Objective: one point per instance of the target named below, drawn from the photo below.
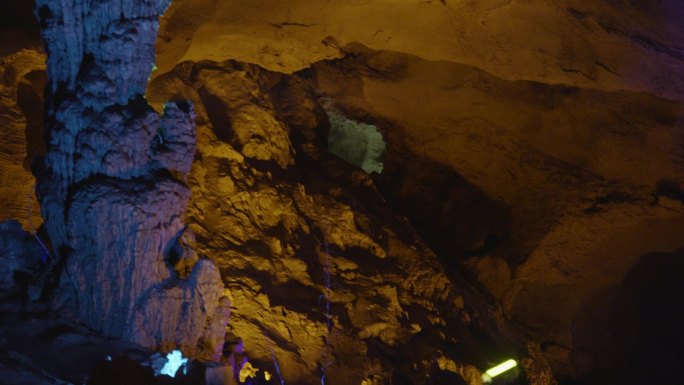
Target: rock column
(111, 191)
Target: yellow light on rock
(498, 369)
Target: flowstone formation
(111, 190)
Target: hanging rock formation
(110, 191)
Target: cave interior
(384, 192)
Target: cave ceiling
(606, 45)
(531, 197)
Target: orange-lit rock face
(542, 196)
(539, 145)
(300, 237)
(21, 120)
(555, 192)
(608, 45)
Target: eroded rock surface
(21, 98)
(547, 194)
(110, 191)
(607, 45)
(324, 278)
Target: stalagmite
(111, 191)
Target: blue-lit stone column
(111, 191)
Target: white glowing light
(174, 361)
(498, 369)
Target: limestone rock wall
(111, 189)
(324, 278)
(547, 194)
(21, 98)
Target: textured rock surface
(21, 95)
(550, 194)
(608, 44)
(112, 204)
(294, 229)
(48, 350)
